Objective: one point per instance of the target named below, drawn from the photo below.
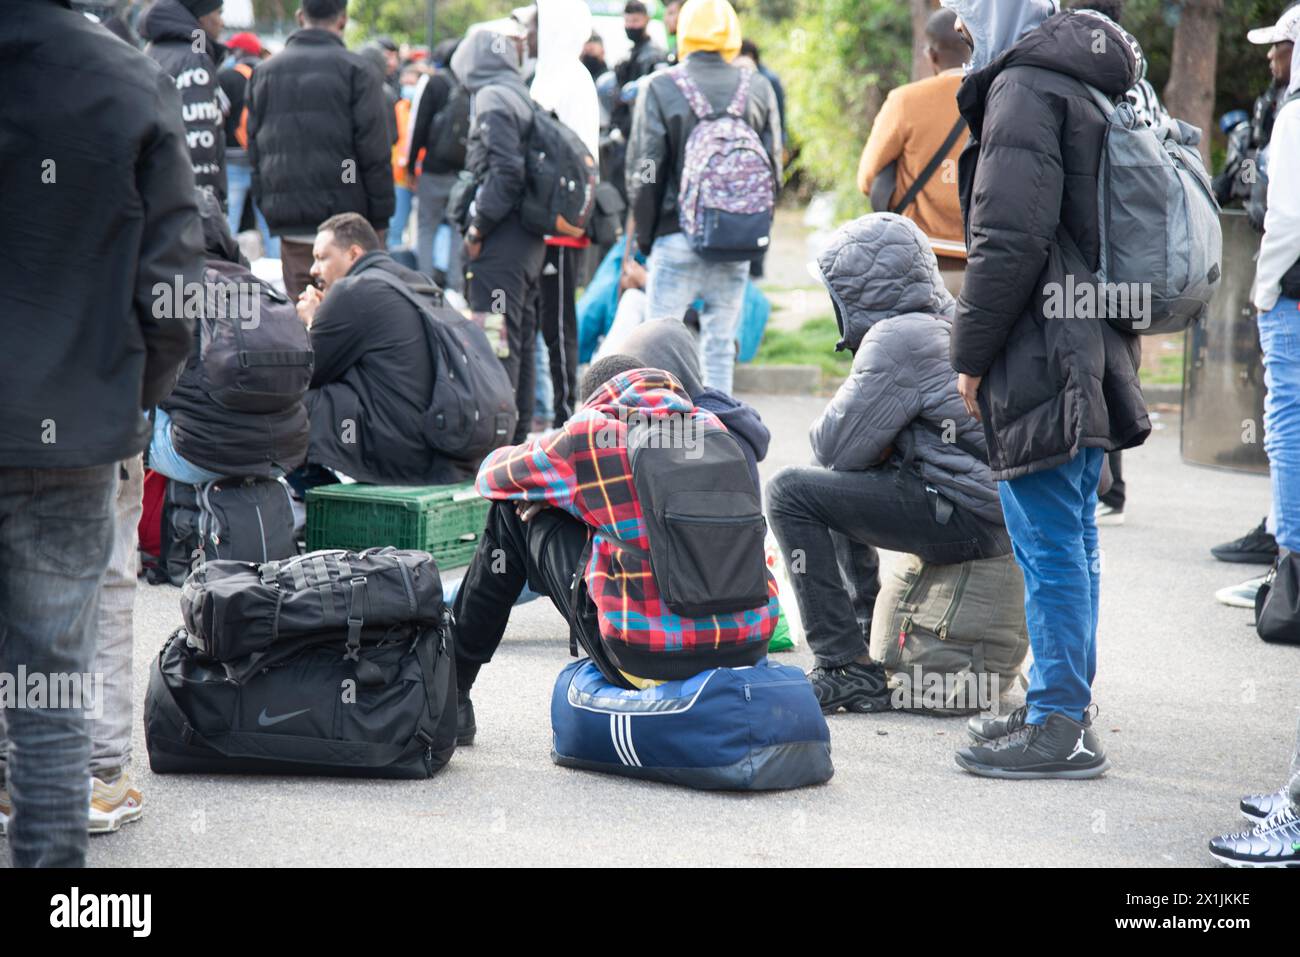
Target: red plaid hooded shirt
(584, 469)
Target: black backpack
(254, 352)
(703, 516)
(450, 130)
(248, 520)
(560, 177)
(472, 410)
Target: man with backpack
(374, 372)
(88, 344)
(579, 515)
(318, 138)
(1054, 390)
(440, 130)
(703, 167)
(247, 51)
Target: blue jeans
(678, 277)
(1279, 336)
(544, 406)
(239, 184)
(402, 213)
(164, 458)
(432, 191)
(1051, 516)
(56, 537)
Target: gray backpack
(953, 637)
(1159, 223)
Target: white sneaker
(1109, 516)
(6, 809)
(1240, 596)
(114, 804)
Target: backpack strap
(695, 97)
(736, 107)
(931, 167)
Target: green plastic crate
(445, 520)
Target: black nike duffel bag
(236, 609)
(306, 708)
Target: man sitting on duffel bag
(652, 548)
(903, 467)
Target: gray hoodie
(995, 25)
(895, 314)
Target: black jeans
(545, 553)
(559, 321)
(505, 280)
(1115, 497)
(829, 525)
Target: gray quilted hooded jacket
(895, 315)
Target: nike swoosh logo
(265, 720)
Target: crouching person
(374, 374)
(567, 519)
(900, 462)
(226, 418)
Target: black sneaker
(1256, 547)
(853, 687)
(1256, 807)
(1275, 843)
(465, 726)
(1058, 748)
(985, 730)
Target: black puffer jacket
(210, 435)
(318, 136)
(373, 383)
(1028, 184)
(171, 30)
(88, 335)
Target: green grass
(1162, 360)
(812, 345)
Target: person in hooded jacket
(1054, 393)
(196, 439)
(708, 39)
(505, 259)
(172, 28)
(373, 377)
(319, 138)
(900, 465)
(563, 86)
(437, 106)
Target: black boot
(465, 725)
(1058, 748)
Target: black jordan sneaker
(1274, 843)
(1256, 807)
(985, 730)
(465, 726)
(1256, 547)
(1058, 748)
(859, 688)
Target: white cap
(1286, 30)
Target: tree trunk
(1189, 95)
(921, 10)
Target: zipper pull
(903, 629)
(747, 697)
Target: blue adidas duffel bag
(739, 729)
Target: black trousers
(544, 552)
(505, 280)
(1115, 497)
(559, 321)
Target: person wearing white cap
(1275, 840)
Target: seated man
(901, 462)
(196, 439)
(614, 606)
(374, 374)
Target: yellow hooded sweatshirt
(710, 25)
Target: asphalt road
(1195, 710)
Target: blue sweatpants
(1051, 517)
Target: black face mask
(635, 34)
(595, 65)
